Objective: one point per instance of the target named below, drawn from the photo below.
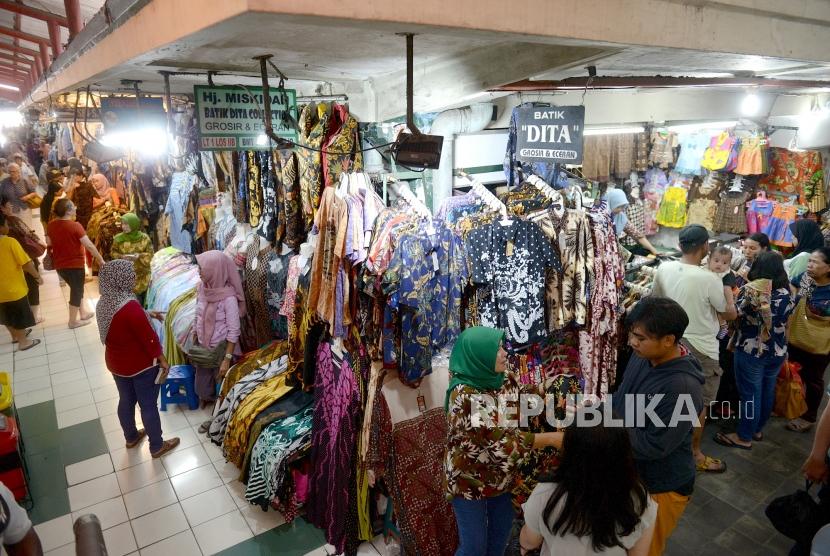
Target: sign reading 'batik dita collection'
(232, 117)
(550, 134)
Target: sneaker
(168, 445)
(141, 434)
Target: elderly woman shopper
(220, 305)
(67, 241)
(617, 203)
(133, 355)
(482, 462)
(808, 238)
(135, 246)
(809, 333)
(19, 190)
(34, 248)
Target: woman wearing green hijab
(482, 460)
(134, 245)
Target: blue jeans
(140, 389)
(483, 525)
(755, 377)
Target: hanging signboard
(550, 134)
(127, 114)
(231, 117)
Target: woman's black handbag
(797, 516)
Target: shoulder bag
(48, 264)
(32, 245)
(207, 358)
(809, 332)
(789, 392)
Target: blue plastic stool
(180, 376)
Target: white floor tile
(107, 407)
(367, 549)
(59, 346)
(317, 552)
(380, 544)
(141, 475)
(103, 393)
(63, 377)
(92, 492)
(123, 458)
(181, 461)
(56, 532)
(32, 398)
(58, 336)
(120, 540)
(30, 362)
(196, 481)
(115, 440)
(149, 499)
(171, 422)
(111, 422)
(69, 356)
(198, 416)
(31, 353)
(260, 521)
(228, 471)
(77, 415)
(31, 384)
(73, 401)
(222, 532)
(99, 380)
(159, 525)
(65, 550)
(74, 387)
(237, 491)
(88, 469)
(183, 544)
(69, 364)
(187, 438)
(214, 452)
(208, 505)
(88, 341)
(110, 512)
(27, 374)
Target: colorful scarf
(101, 184)
(473, 360)
(220, 280)
(135, 232)
(115, 282)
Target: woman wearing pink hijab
(219, 308)
(105, 191)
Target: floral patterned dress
(142, 247)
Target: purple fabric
(140, 389)
(339, 327)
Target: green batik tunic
(142, 247)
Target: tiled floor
(187, 503)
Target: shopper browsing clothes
(662, 364)
(67, 240)
(810, 333)
(15, 313)
(134, 356)
(700, 293)
(54, 192)
(105, 192)
(219, 307)
(617, 203)
(590, 507)
(751, 247)
(34, 248)
(764, 307)
(482, 461)
(19, 190)
(807, 238)
(134, 245)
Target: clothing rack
(409, 198)
(484, 194)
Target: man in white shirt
(16, 532)
(700, 292)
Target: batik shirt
(426, 273)
(512, 260)
(749, 330)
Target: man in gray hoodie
(662, 367)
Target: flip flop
(799, 425)
(35, 342)
(706, 465)
(28, 331)
(724, 440)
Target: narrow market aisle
(187, 503)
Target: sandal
(799, 425)
(705, 466)
(724, 440)
(205, 426)
(28, 331)
(758, 437)
(34, 343)
(141, 434)
(166, 446)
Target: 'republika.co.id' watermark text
(637, 410)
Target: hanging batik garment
(312, 126)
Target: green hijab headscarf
(473, 360)
(135, 229)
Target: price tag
(422, 403)
(367, 239)
(435, 265)
(509, 250)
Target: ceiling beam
(11, 77)
(44, 55)
(55, 38)
(16, 58)
(23, 36)
(14, 69)
(19, 49)
(33, 12)
(580, 83)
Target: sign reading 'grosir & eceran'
(232, 117)
(550, 134)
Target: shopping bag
(797, 515)
(47, 261)
(789, 393)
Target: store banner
(231, 117)
(126, 114)
(550, 134)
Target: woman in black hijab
(808, 238)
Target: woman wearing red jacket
(133, 354)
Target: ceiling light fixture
(750, 105)
(9, 87)
(701, 125)
(613, 130)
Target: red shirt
(131, 344)
(67, 251)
